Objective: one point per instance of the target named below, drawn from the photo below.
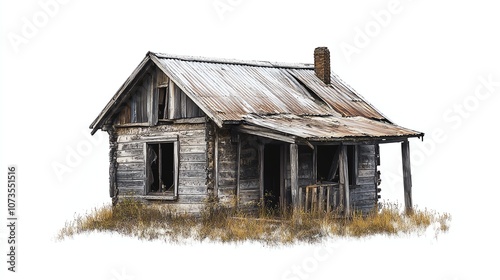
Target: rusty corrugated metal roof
(284, 97)
(324, 128)
(233, 89)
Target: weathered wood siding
(153, 93)
(193, 174)
(249, 172)
(249, 188)
(363, 194)
(226, 167)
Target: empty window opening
(328, 163)
(272, 175)
(161, 168)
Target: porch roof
(328, 128)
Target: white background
(420, 62)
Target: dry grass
(222, 224)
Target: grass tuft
(226, 224)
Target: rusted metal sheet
(324, 128)
(232, 91)
(341, 97)
(288, 98)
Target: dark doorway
(272, 175)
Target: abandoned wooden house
(248, 133)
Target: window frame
(162, 195)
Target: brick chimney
(322, 64)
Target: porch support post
(344, 179)
(405, 152)
(294, 175)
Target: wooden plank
(315, 166)
(169, 129)
(366, 172)
(123, 191)
(140, 138)
(328, 199)
(129, 153)
(193, 165)
(173, 101)
(227, 182)
(130, 184)
(249, 184)
(193, 157)
(135, 159)
(193, 120)
(267, 134)
(369, 180)
(344, 179)
(261, 173)
(364, 189)
(130, 174)
(193, 141)
(300, 198)
(192, 198)
(146, 85)
(216, 163)
(321, 197)
(294, 173)
(192, 182)
(283, 167)
(355, 165)
(193, 149)
(191, 109)
(314, 200)
(238, 170)
(229, 174)
(227, 166)
(131, 166)
(306, 201)
(153, 93)
(129, 146)
(192, 174)
(183, 105)
(363, 196)
(405, 152)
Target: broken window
(162, 168)
(328, 163)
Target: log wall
(193, 162)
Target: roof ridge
(256, 63)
